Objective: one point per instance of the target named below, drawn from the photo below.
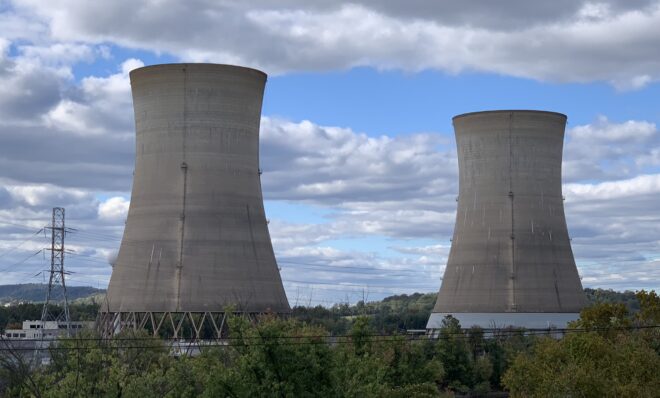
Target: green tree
(274, 358)
(373, 365)
(87, 366)
(649, 318)
(455, 355)
(649, 303)
(587, 365)
(605, 318)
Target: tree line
(608, 352)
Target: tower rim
(494, 111)
(198, 65)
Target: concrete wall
(510, 250)
(196, 237)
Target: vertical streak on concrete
(254, 248)
(184, 169)
(512, 241)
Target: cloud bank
(564, 41)
(387, 202)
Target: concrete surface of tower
(510, 262)
(196, 236)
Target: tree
(455, 355)
(277, 358)
(649, 318)
(649, 303)
(85, 365)
(604, 318)
(16, 374)
(586, 365)
(604, 357)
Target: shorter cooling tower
(510, 262)
(196, 242)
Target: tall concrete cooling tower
(510, 262)
(196, 240)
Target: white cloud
(114, 209)
(397, 188)
(614, 222)
(578, 41)
(15, 25)
(28, 88)
(58, 54)
(408, 188)
(332, 165)
(40, 195)
(606, 150)
(614, 190)
(103, 105)
(76, 133)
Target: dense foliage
(614, 355)
(392, 314)
(349, 352)
(609, 296)
(272, 358)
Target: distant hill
(416, 302)
(628, 298)
(36, 292)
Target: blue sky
(395, 102)
(362, 93)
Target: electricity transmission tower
(56, 280)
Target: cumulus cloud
(38, 195)
(611, 210)
(408, 187)
(333, 165)
(571, 41)
(102, 105)
(400, 188)
(608, 150)
(78, 135)
(58, 54)
(28, 89)
(323, 274)
(615, 222)
(61, 143)
(114, 209)
(614, 190)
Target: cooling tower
(196, 239)
(510, 262)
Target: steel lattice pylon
(57, 273)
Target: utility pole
(56, 273)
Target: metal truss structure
(171, 325)
(56, 279)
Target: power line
(26, 227)
(97, 235)
(460, 332)
(315, 339)
(20, 244)
(323, 267)
(87, 258)
(351, 285)
(364, 290)
(353, 267)
(22, 261)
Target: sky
(357, 147)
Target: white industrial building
(47, 330)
